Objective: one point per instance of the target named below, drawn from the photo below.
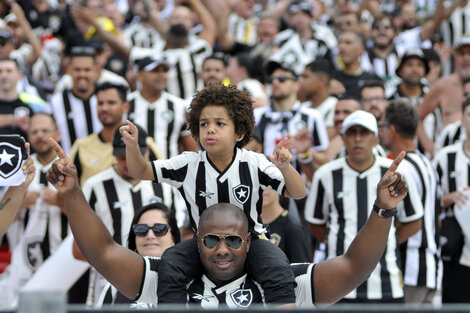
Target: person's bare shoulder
(451, 79)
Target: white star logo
(242, 298)
(242, 193)
(6, 158)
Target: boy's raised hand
(281, 156)
(130, 133)
(63, 173)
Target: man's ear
(127, 106)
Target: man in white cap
(342, 195)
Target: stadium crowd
(154, 114)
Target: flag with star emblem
(12, 156)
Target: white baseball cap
(361, 118)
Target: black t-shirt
(16, 107)
(351, 83)
(292, 237)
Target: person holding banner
(14, 195)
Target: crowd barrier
(41, 302)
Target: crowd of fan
(77, 70)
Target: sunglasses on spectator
(232, 241)
(384, 27)
(281, 79)
(343, 23)
(158, 229)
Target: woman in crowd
(154, 229)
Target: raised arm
(122, 267)
(31, 37)
(430, 102)
(87, 17)
(138, 167)
(336, 277)
(12, 198)
(209, 33)
(282, 157)
(440, 14)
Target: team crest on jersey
(300, 125)
(241, 193)
(167, 116)
(10, 159)
(33, 253)
(242, 297)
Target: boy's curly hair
(238, 103)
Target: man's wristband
(384, 213)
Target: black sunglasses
(379, 26)
(281, 79)
(158, 229)
(232, 241)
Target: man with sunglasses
(224, 242)
(286, 116)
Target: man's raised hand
(392, 188)
(62, 174)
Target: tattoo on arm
(4, 203)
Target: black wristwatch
(384, 213)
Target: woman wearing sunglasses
(154, 229)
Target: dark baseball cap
(410, 54)
(271, 65)
(150, 63)
(119, 147)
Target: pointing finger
(27, 147)
(391, 170)
(57, 149)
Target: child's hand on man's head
(130, 133)
(281, 156)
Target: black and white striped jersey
(58, 227)
(76, 118)
(273, 125)
(183, 75)
(164, 120)
(420, 253)
(453, 169)
(296, 52)
(115, 200)
(243, 30)
(432, 123)
(452, 133)
(201, 184)
(384, 68)
(342, 199)
(452, 30)
(140, 35)
(185, 65)
(326, 109)
(240, 293)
